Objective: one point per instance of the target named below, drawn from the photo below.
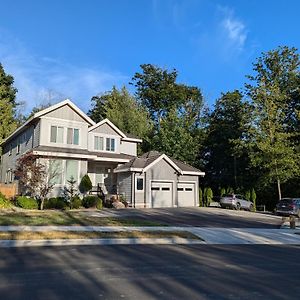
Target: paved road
(202, 217)
(151, 272)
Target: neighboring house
(66, 139)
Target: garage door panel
(186, 194)
(161, 194)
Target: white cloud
(233, 28)
(35, 77)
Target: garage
(186, 194)
(161, 194)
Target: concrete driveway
(197, 217)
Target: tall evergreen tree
(7, 104)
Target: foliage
(27, 202)
(248, 195)
(70, 192)
(55, 203)
(222, 192)
(124, 111)
(224, 165)
(207, 196)
(200, 197)
(76, 202)
(4, 203)
(7, 104)
(92, 201)
(35, 178)
(85, 184)
(253, 198)
(272, 147)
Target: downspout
(133, 187)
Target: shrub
(85, 184)
(253, 198)
(248, 195)
(222, 192)
(99, 204)
(27, 202)
(200, 197)
(4, 203)
(55, 203)
(208, 196)
(76, 202)
(91, 201)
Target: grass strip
(68, 218)
(94, 235)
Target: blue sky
(79, 48)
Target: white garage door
(186, 194)
(161, 194)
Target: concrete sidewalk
(209, 235)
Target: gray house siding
(106, 129)
(162, 170)
(66, 113)
(125, 186)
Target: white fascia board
(193, 173)
(127, 139)
(165, 157)
(111, 159)
(62, 154)
(62, 103)
(140, 170)
(111, 125)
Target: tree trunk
(42, 204)
(279, 189)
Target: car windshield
(286, 200)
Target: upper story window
(19, 145)
(73, 136)
(10, 149)
(98, 143)
(110, 144)
(139, 184)
(57, 134)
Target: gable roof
(125, 136)
(48, 110)
(149, 159)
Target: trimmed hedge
(76, 203)
(92, 201)
(55, 203)
(27, 202)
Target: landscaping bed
(50, 235)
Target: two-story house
(66, 140)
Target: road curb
(100, 242)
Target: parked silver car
(236, 202)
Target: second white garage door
(186, 194)
(161, 194)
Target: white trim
(63, 154)
(128, 170)
(113, 126)
(193, 173)
(139, 177)
(112, 159)
(128, 139)
(163, 156)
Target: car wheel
(238, 206)
(251, 208)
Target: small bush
(55, 203)
(4, 203)
(99, 204)
(85, 184)
(91, 201)
(76, 202)
(27, 203)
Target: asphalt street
(151, 272)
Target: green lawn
(70, 218)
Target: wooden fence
(9, 190)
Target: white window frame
(106, 144)
(99, 137)
(72, 136)
(63, 133)
(136, 185)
